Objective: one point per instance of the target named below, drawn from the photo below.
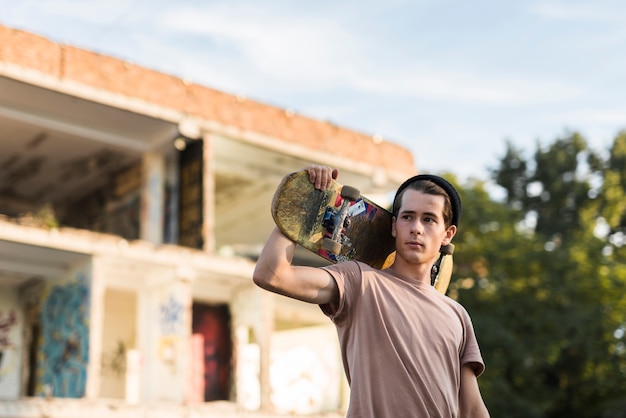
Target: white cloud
(599, 117)
(597, 11)
(460, 87)
(95, 12)
(312, 53)
(293, 48)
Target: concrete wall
(118, 337)
(104, 73)
(11, 343)
(306, 370)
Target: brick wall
(113, 75)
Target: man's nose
(416, 227)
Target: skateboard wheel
(350, 193)
(331, 246)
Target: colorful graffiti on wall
(171, 323)
(8, 349)
(65, 339)
(171, 316)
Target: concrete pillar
(172, 203)
(185, 277)
(146, 341)
(208, 226)
(245, 304)
(152, 198)
(263, 334)
(96, 325)
(133, 377)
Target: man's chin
(413, 257)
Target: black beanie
(455, 200)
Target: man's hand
(321, 175)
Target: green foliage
(543, 275)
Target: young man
(407, 350)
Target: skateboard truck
(337, 219)
(443, 251)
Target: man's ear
(450, 232)
(393, 226)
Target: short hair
(433, 185)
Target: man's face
(419, 228)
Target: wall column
(96, 324)
(208, 226)
(152, 198)
(263, 331)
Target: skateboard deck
(339, 224)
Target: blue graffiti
(171, 316)
(65, 339)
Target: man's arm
(471, 404)
(274, 271)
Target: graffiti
(114, 363)
(171, 316)
(6, 325)
(65, 339)
(168, 347)
(8, 350)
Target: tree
(545, 285)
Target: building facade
(133, 205)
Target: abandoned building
(133, 205)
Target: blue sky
(449, 80)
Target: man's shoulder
(349, 265)
(457, 307)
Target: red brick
(110, 74)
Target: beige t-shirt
(402, 344)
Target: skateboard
(339, 224)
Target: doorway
(213, 322)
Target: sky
(451, 80)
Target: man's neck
(415, 272)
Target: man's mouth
(415, 244)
